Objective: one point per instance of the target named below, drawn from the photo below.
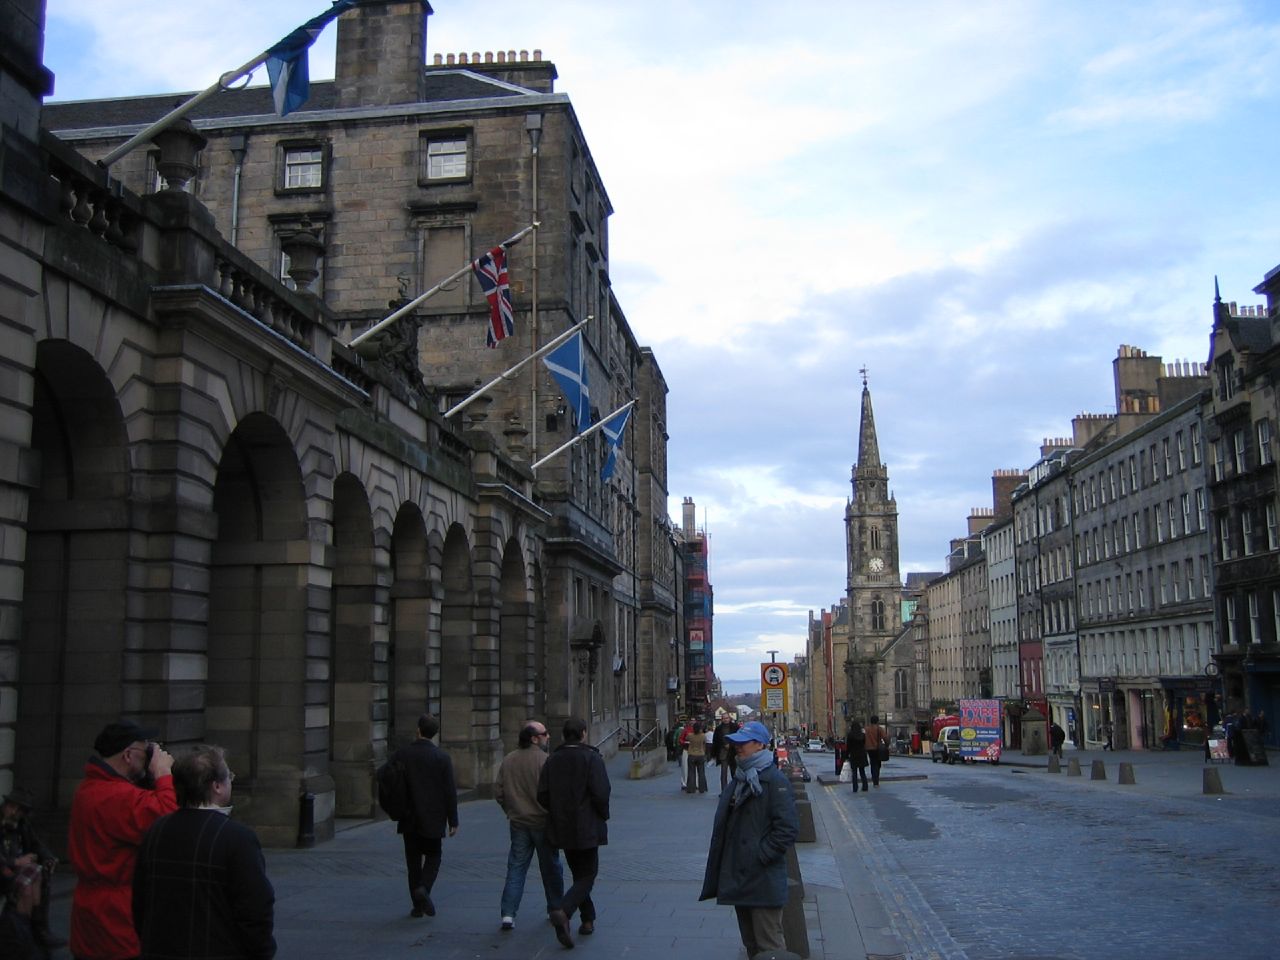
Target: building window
(1195, 444)
(302, 167)
(445, 157)
(1246, 531)
(1168, 461)
(1230, 620)
(1137, 532)
(1219, 459)
(1224, 537)
(1173, 519)
(1155, 465)
(873, 536)
(1275, 614)
(1133, 474)
(1175, 580)
(1182, 451)
(1142, 590)
(1191, 578)
(1273, 532)
(1264, 442)
(1200, 508)
(1238, 445)
(1186, 513)
(1205, 570)
(877, 614)
(1255, 621)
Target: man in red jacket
(113, 807)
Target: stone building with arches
(220, 520)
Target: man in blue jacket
(755, 824)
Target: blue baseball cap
(751, 731)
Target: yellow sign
(773, 687)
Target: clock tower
(874, 583)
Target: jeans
(858, 772)
(696, 782)
(525, 842)
(874, 759)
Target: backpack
(393, 789)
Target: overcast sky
(977, 201)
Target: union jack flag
(491, 271)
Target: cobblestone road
(981, 862)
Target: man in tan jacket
(516, 791)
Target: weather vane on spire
(863, 371)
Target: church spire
(868, 447)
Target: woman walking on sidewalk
(855, 754)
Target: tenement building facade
(223, 521)
(1244, 500)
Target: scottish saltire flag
(491, 271)
(568, 364)
(287, 60)
(612, 430)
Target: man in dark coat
(856, 754)
(200, 888)
(755, 824)
(20, 846)
(574, 787)
(433, 805)
(1057, 737)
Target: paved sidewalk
(348, 898)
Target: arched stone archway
(256, 696)
(515, 646)
(75, 620)
(404, 670)
(357, 732)
(457, 675)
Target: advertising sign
(980, 730)
(773, 687)
(695, 640)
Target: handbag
(882, 748)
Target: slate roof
(444, 86)
(1250, 333)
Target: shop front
(1099, 712)
(1192, 708)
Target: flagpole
(414, 303)
(585, 433)
(519, 366)
(182, 109)
(317, 23)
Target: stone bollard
(1073, 767)
(1055, 765)
(1098, 770)
(1212, 781)
(804, 813)
(794, 930)
(1126, 774)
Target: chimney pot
(524, 56)
(451, 59)
(502, 56)
(488, 56)
(439, 59)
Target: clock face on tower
(875, 564)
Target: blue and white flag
(568, 364)
(287, 60)
(612, 430)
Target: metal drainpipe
(238, 144)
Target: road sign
(773, 687)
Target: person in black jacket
(755, 825)
(433, 805)
(20, 846)
(574, 788)
(200, 886)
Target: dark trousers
(584, 865)
(859, 771)
(422, 862)
(696, 782)
(874, 759)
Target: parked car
(946, 746)
(816, 746)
